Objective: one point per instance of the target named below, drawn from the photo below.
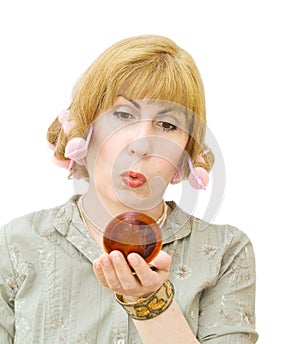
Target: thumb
(162, 261)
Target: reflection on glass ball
(133, 232)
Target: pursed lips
(133, 179)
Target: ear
(177, 178)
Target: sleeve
(8, 288)
(227, 309)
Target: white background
(248, 55)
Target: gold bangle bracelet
(151, 306)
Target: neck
(96, 210)
(102, 212)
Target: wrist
(132, 299)
(150, 306)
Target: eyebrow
(165, 111)
(136, 104)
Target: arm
(169, 327)
(7, 289)
(228, 308)
(113, 272)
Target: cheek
(108, 153)
(184, 139)
(172, 150)
(102, 155)
(167, 168)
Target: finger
(109, 273)
(162, 261)
(123, 271)
(97, 267)
(149, 279)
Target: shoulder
(194, 227)
(228, 245)
(37, 222)
(227, 234)
(224, 241)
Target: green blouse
(49, 293)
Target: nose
(141, 145)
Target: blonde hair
(146, 66)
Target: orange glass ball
(133, 232)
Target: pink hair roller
(198, 176)
(63, 117)
(77, 148)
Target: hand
(113, 272)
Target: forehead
(161, 106)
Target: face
(134, 152)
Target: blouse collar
(69, 224)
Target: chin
(137, 200)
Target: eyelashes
(166, 126)
(123, 116)
(128, 117)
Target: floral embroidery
(82, 339)
(249, 317)
(209, 250)
(240, 268)
(13, 287)
(62, 323)
(118, 337)
(183, 272)
(21, 266)
(48, 233)
(227, 318)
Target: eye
(123, 116)
(166, 126)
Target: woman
(135, 124)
